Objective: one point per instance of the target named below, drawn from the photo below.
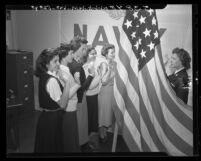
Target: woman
(179, 79)
(79, 57)
(53, 99)
(105, 97)
(92, 98)
(70, 127)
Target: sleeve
(53, 89)
(85, 83)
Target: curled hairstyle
(43, 59)
(89, 49)
(76, 42)
(183, 56)
(63, 50)
(106, 48)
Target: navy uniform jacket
(85, 82)
(179, 83)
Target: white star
(147, 32)
(151, 46)
(156, 34)
(136, 45)
(143, 53)
(140, 41)
(153, 21)
(150, 11)
(128, 24)
(133, 34)
(142, 19)
(135, 15)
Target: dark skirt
(70, 132)
(49, 133)
(92, 107)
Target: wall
(36, 30)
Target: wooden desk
(12, 124)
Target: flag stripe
(129, 106)
(161, 134)
(147, 139)
(132, 131)
(128, 138)
(124, 58)
(122, 86)
(176, 126)
(150, 126)
(129, 134)
(145, 147)
(171, 135)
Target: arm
(85, 83)
(65, 96)
(73, 90)
(95, 82)
(56, 94)
(106, 76)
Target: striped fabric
(152, 118)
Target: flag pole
(115, 137)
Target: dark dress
(85, 82)
(82, 113)
(48, 137)
(179, 83)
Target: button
(26, 85)
(26, 98)
(25, 72)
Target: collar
(178, 70)
(52, 73)
(63, 67)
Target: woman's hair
(105, 49)
(89, 49)
(63, 50)
(183, 56)
(43, 59)
(76, 42)
(83, 53)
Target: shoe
(103, 140)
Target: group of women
(75, 95)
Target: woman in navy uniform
(179, 79)
(53, 99)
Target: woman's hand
(91, 71)
(77, 77)
(99, 72)
(63, 77)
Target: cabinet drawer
(26, 75)
(28, 98)
(25, 59)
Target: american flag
(152, 118)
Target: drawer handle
(24, 57)
(25, 72)
(26, 85)
(26, 98)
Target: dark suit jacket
(85, 82)
(179, 83)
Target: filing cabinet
(19, 78)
